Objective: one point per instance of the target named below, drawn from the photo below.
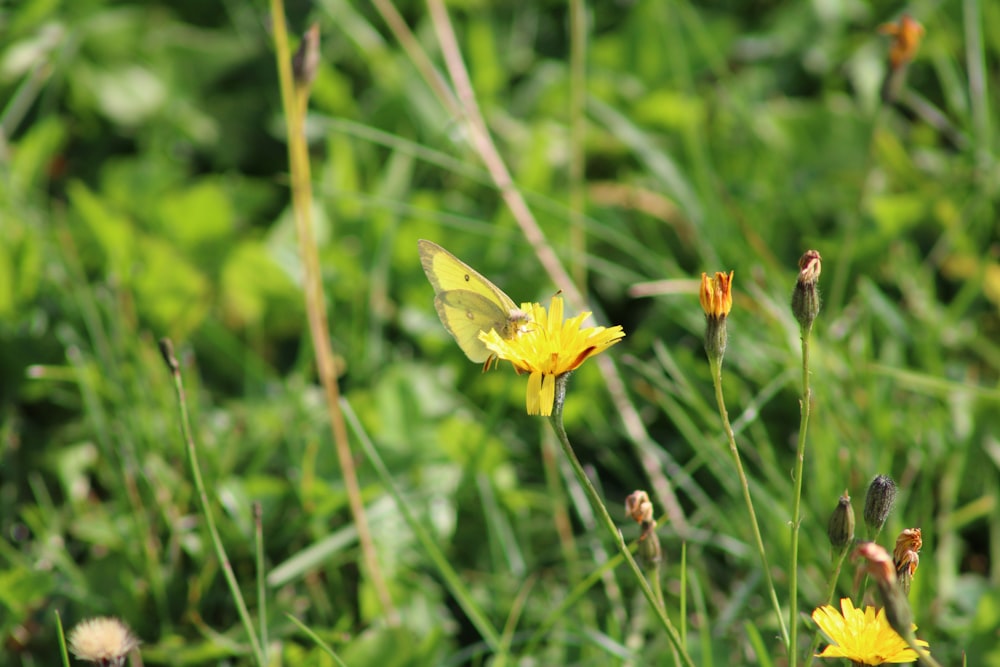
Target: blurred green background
(144, 193)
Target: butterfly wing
(466, 302)
(464, 314)
(447, 272)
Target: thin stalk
(830, 591)
(62, 640)
(258, 525)
(925, 656)
(800, 455)
(595, 500)
(658, 590)
(715, 363)
(167, 350)
(683, 600)
(294, 99)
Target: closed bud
(897, 609)
(840, 529)
(878, 503)
(805, 296)
(878, 564)
(640, 508)
(305, 62)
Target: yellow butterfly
(468, 303)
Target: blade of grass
(167, 350)
(316, 638)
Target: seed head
(103, 640)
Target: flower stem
(715, 363)
(800, 455)
(830, 591)
(655, 601)
(167, 350)
(925, 656)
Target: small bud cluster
(891, 574)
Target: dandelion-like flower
(102, 640)
(549, 348)
(863, 637)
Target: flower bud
(640, 508)
(905, 557)
(305, 62)
(878, 503)
(716, 300)
(880, 566)
(840, 529)
(907, 34)
(805, 296)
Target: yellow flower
(549, 347)
(716, 295)
(863, 637)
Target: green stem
(167, 349)
(800, 456)
(595, 500)
(831, 589)
(715, 364)
(258, 532)
(62, 640)
(925, 656)
(658, 588)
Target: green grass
(145, 194)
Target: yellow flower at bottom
(863, 637)
(548, 347)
